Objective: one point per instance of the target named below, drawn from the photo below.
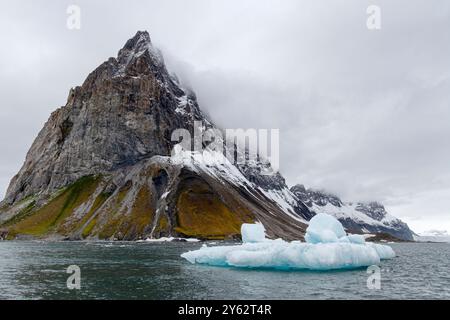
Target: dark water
(37, 270)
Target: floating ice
(324, 228)
(253, 233)
(328, 247)
(356, 238)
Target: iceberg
(327, 247)
(253, 233)
(324, 228)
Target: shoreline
(183, 240)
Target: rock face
(101, 166)
(356, 217)
(125, 111)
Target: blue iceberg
(327, 247)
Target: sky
(362, 113)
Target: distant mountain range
(103, 168)
(433, 236)
(356, 217)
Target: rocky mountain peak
(102, 168)
(318, 197)
(298, 188)
(373, 209)
(139, 42)
(140, 49)
(365, 217)
(125, 110)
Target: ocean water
(37, 270)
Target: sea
(149, 270)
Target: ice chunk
(279, 254)
(356, 238)
(328, 248)
(385, 252)
(324, 228)
(253, 232)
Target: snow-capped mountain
(435, 233)
(102, 166)
(433, 236)
(356, 217)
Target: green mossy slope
(201, 214)
(49, 218)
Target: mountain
(355, 217)
(433, 236)
(435, 233)
(102, 166)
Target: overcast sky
(363, 113)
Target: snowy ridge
(135, 48)
(211, 162)
(435, 233)
(183, 102)
(356, 217)
(350, 211)
(433, 236)
(285, 199)
(216, 165)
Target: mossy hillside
(163, 224)
(199, 212)
(106, 224)
(26, 211)
(88, 229)
(48, 218)
(24, 208)
(109, 229)
(133, 224)
(123, 191)
(141, 216)
(202, 214)
(99, 201)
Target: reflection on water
(37, 270)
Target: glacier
(327, 247)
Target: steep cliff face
(356, 217)
(101, 166)
(125, 111)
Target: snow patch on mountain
(433, 236)
(356, 217)
(350, 211)
(217, 165)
